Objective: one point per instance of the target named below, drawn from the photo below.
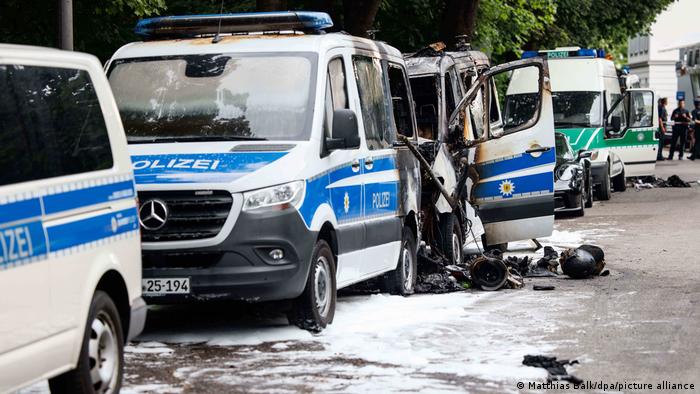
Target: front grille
(191, 215)
(181, 260)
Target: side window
(401, 101)
(476, 111)
(618, 109)
(336, 91)
(450, 103)
(376, 110)
(522, 99)
(641, 109)
(51, 124)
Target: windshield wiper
(192, 138)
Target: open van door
(630, 131)
(511, 144)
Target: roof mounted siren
(565, 53)
(462, 43)
(189, 26)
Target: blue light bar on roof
(184, 26)
(564, 53)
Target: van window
(216, 96)
(641, 109)
(425, 96)
(336, 91)
(401, 100)
(51, 124)
(376, 110)
(620, 109)
(477, 114)
(450, 103)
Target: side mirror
(615, 124)
(345, 131)
(584, 154)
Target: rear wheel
(451, 237)
(589, 189)
(581, 203)
(604, 192)
(620, 182)
(101, 360)
(402, 280)
(314, 309)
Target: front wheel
(604, 192)
(314, 309)
(101, 361)
(582, 211)
(620, 182)
(451, 237)
(589, 189)
(402, 280)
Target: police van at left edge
(265, 162)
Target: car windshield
(215, 97)
(562, 148)
(571, 109)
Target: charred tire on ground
(604, 192)
(402, 280)
(450, 237)
(314, 309)
(619, 182)
(101, 361)
(589, 189)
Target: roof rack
(186, 26)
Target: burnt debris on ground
(555, 368)
(650, 182)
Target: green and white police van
(593, 112)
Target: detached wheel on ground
(604, 192)
(402, 280)
(620, 182)
(101, 361)
(314, 309)
(450, 237)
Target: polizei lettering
(381, 200)
(15, 244)
(188, 164)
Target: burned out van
(264, 158)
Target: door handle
(369, 163)
(355, 165)
(539, 149)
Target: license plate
(162, 286)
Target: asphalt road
(640, 324)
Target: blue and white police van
(70, 255)
(265, 160)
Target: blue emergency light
(185, 26)
(565, 53)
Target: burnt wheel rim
(103, 354)
(456, 248)
(407, 268)
(322, 288)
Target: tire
(314, 309)
(619, 182)
(589, 189)
(582, 203)
(450, 237)
(402, 280)
(101, 353)
(604, 192)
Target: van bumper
(137, 321)
(240, 268)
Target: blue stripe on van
(513, 187)
(515, 163)
(92, 229)
(19, 210)
(22, 242)
(89, 196)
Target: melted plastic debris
(555, 368)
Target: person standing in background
(695, 114)
(663, 118)
(681, 119)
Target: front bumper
(567, 195)
(137, 321)
(240, 268)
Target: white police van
(70, 263)
(595, 115)
(265, 163)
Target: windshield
(571, 109)
(562, 148)
(215, 97)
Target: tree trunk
(458, 19)
(359, 16)
(271, 5)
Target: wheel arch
(114, 285)
(328, 234)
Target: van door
(514, 153)
(634, 141)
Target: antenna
(217, 37)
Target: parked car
(266, 167)
(573, 185)
(70, 261)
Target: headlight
(287, 194)
(565, 173)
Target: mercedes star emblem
(153, 214)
